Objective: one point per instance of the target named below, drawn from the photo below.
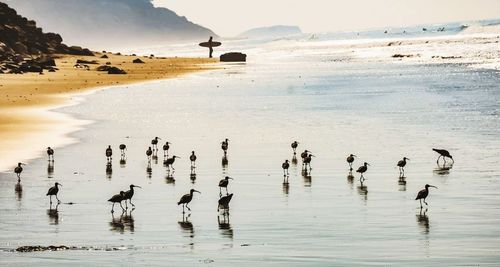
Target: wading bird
(443, 153)
(294, 146)
(363, 169)
(166, 147)
(401, 164)
(149, 152)
(53, 192)
(224, 202)
(50, 153)
(285, 167)
(223, 183)
(422, 194)
(169, 162)
(118, 198)
(154, 143)
(225, 145)
(129, 194)
(185, 199)
(307, 161)
(109, 153)
(18, 170)
(123, 147)
(193, 160)
(350, 160)
(304, 155)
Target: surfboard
(214, 44)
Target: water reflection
(402, 183)
(192, 177)
(363, 192)
(19, 191)
(294, 160)
(225, 162)
(286, 188)
(123, 161)
(50, 169)
(149, 170)
(350, 179)
(53, 214)
(109, 170)
(423, 221)
(155, 156)
(443, 169)
(169, 178)
(307, 177)
(224, 225)
(186, 225)
(122, 223)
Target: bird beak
(433, 186)
(312, 155)
(137, 186)
(368, 164)
(197, 191)
(355, 156)
(60, 185)
(230, 178)
(407, 158)
(178, 157)
(24, 164)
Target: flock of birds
(126, 196)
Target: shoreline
(28, 101)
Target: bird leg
(126, 206)
(420, 204)
(112, 208)
(227, 193)
(121, 206)
(426, 202)
(188, 207)
(183, 209)
(437, 161)
(58, 201)
(131, 202)
(50, 197)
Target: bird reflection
(149, 170)
(19, 191)
(225, 161)
(123, 161)
(363, 191)
(294, 160)
(122, 223)
(224, 225)
(350, 179)
(307, 177)
(192, 176)
(286, 188)
(423, 221)
(50, 169)
(155, 156)
(53, 214)
(443, 169)
(169, 179)
(109, 170)
(402, 183)
(186, 225)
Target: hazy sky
(231, 17)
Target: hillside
(101, 24)
(271, 32)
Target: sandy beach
(26, 100)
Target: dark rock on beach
(115, 70)
(233, 57)
(137, 61)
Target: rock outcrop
(233, 57)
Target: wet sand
(26, 100)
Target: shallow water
(380, 112)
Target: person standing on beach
(210, 47)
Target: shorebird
(166, 147)
(129, 194)
(109, 153)
(149, 152)
(123, 147)
(223, 183)
(18, 170)
(53, 192)
(350, 160)
(422, 194)
(224, 202)
(363, 169)
(401, 164)
(443, 153)
(193, 159)
(225, 145)
(118, 198)
(169, 162)
(307, 161)
(294, 146)
(154, 143)
(304, 155)
(285, 167)
(185, 199)
(50, 153)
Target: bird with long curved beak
(53, 192)
(129, 194)
(18, 170)
(223, 183)
(362, 169)
(185, 199)
(422, 194)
